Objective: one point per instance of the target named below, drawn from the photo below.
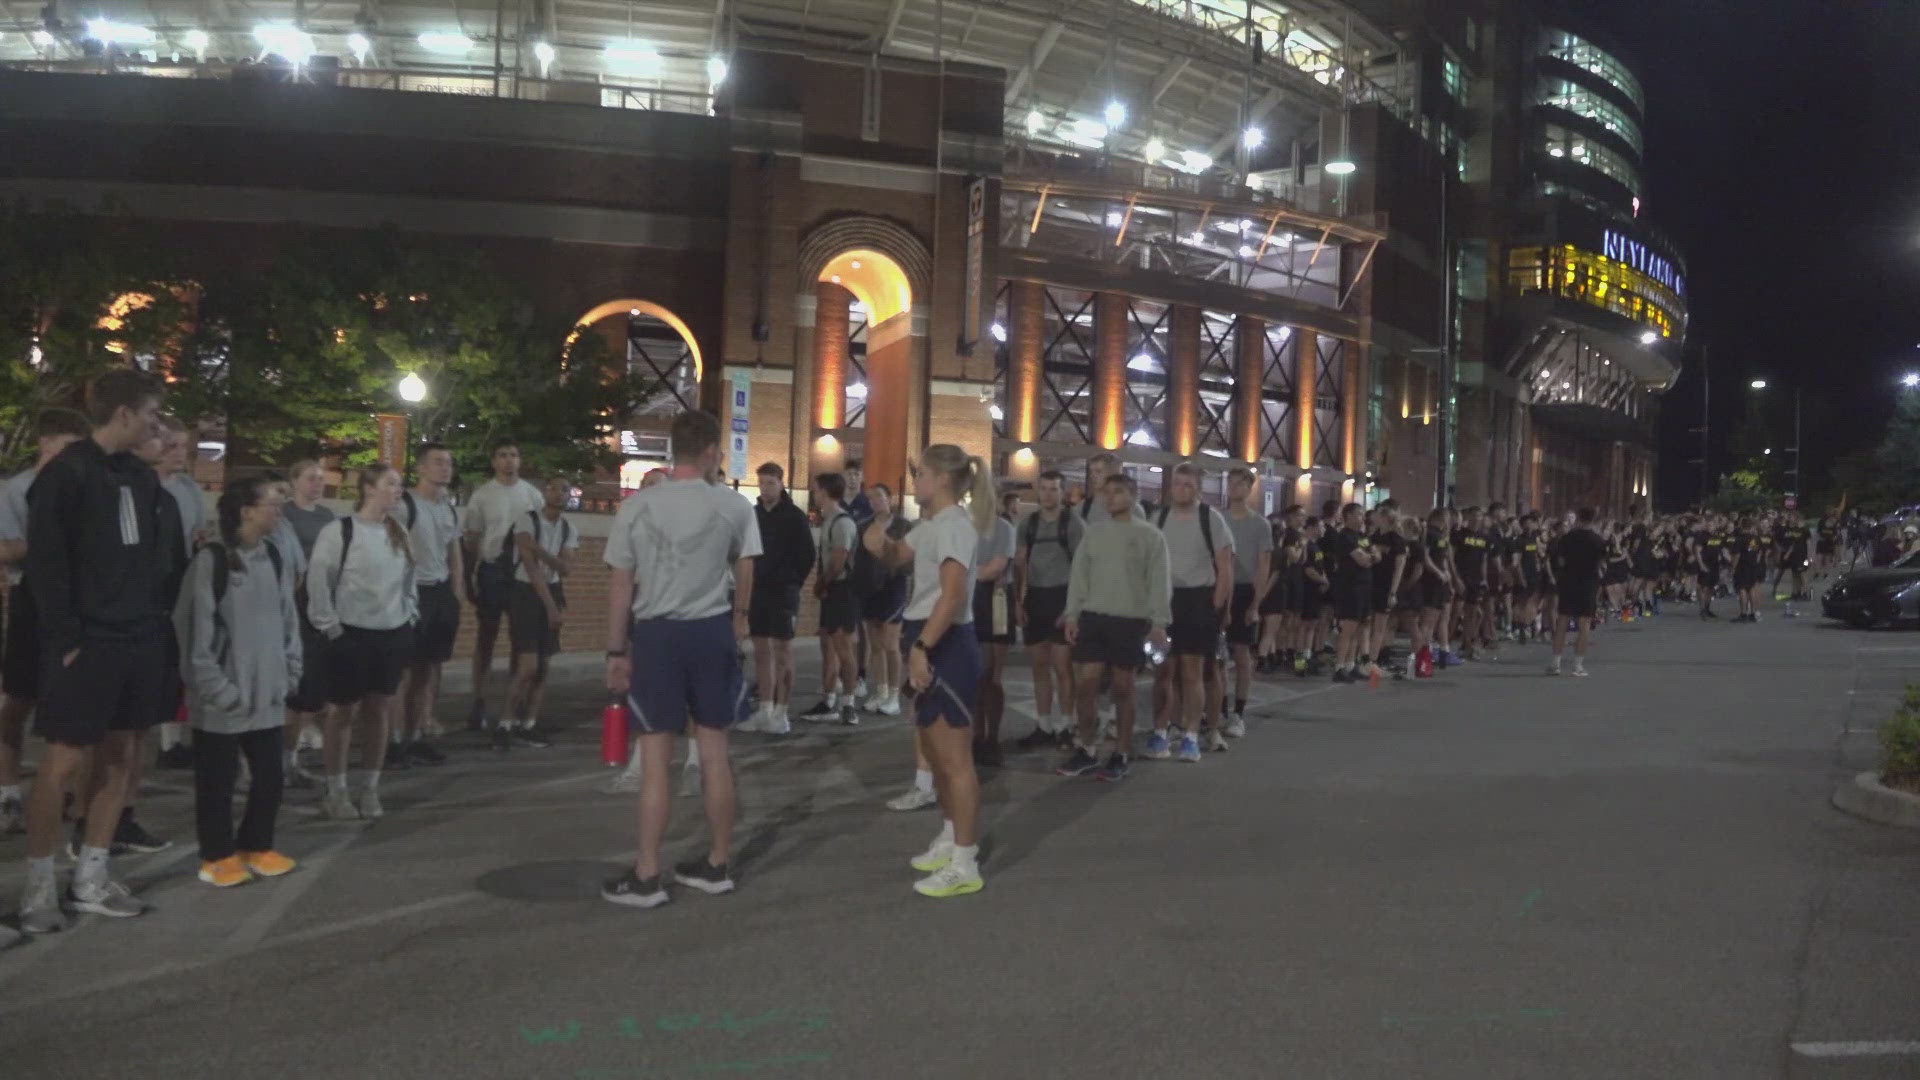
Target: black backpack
(222, 573)
(510, 555)
(826, 547)
(1206, 526)
(1030, 532)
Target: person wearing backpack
(1048, 538)
(433, 525)
(1200, 558)
(361, 597)
(539, 604)
(883, 596)
(492, 510)
(839, 604)
(240, 657)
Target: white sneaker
(754, 724)
(937, 855)
(337, 807)
(1215, 741)
(776, 723)
(890, 704)
(860, 690)
(40, 909)
(624, 784)
(370, 807)
(110, 898)
(1553, 666)
(950, 880)
(913, 799)
(1580, 668)
(1236, 726)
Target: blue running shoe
(1116, 768)
(1157, 747)
(1080, 764)
(1189, 748)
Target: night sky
(1783, 155)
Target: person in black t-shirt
(1442, 585)
(1471, 548)
(1579, 558)
(1388, 576)
(1350, 560)
(1709, 556)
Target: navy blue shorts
(956, 674)
(682, 668)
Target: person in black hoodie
(786, 543)
(95, 564)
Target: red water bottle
(613, 734)
(1423, 663)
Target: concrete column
(1183, 381)
(1025, 346)
(889, 389)
(1306, 372)
(1249, 371)
(1109, 370)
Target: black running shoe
(630, 891)
(823, 710)
(1080, 764)
(703, 875)
(177, 757)
(987, 755)
(502, 739)
(531, 737)
(1036, 740)
(849, 716)
(422, 752)
(396, 759)
(135, 838)
(477, 717)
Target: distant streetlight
(1758, 384)
(413, 389)
(1340, 168)
(1910, 380)
(1648, 337)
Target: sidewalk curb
(1868, 798)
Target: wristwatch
(620, 654)
(922, 645)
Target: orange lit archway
(633, 308)
(879, 284)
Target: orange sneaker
(267, 863)
(225, 873)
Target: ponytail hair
(396, 533)
(968, 477)
(238, 496)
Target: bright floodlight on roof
(543, 52)
(445, 41)
(1253, 137)
(1195, 161)
(1116, 114)
(634, 58)
(108, 32)
(360, 45)
(716, 71)
(1648, 337)
(1340, 168)
(197, 41)
(288, 42)
(1035, 121)
(1155, 149)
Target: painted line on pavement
(1879, 1048)
(284, 895)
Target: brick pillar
(1306, 372)
(1024, 359)
(1109, 370)
(1250, 340)
(889, 388)
(1183, 380)
(1355, 390)
(830, 329)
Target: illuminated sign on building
(1621, 248)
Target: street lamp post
(1761, 384)
(413, 391)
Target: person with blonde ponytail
(361, 597)
(943, 656)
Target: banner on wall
(392, 441)
(742, 387)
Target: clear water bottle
(1156, 654)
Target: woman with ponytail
(943, 658)
(361, 598)
(240, 657)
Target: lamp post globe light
(413, 389)
(1910, 380)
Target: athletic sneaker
(1189, 749)
(889, 705)
(1080, 764)
(1236, 726)
(133, 837)
(1580, 668)
(477, 717)
(225, 873)
(629, 890)
(1216, 742)
(1037, 739)
(849, 716)
(300, 781)
(938, 854)
(13, 816)
(860, 688)
(533, 738)
(1553, 666)
(624, 784)
(1342, 675)
(950, 880)
(1156, 747)
(79, 838)
(370, 807)
(267, 863)
(8, 936)
(110, 898)
(502, 738)
(1454, 659)
(756, 721)
(703, 875)
(1116, 769)
(396, 759)
(337, 807)
(775, 722)
(914, 798)
(40, 909)
(824, 710)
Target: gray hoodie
(239, 674)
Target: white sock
(170, 735)
(336, 783)
(963, 857)
(92, 867)
(922, 780)
(693, 754)
(39, 871)
(946, 832)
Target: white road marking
(1879, 1048)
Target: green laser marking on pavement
(1532, 898)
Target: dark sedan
(1878, 597)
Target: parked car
(1878, 597)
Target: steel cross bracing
(1329, 354)
(1276, 405)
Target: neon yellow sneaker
(950, 880)
(939, 854)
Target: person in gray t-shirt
(1047, 539)
(1252, 569)
(1202, 577)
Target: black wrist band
(616, 655)
(922, 645)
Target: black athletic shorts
(311, 695)
(888, 604)
(1196, 622)
(1111, 640)
(110, 686)
(492, 589)
(1279, 598)
(1381, 600)
(439, 624)
(1241, 630)
(1476, 591)
(1045, 605)
(771, 611)
(1747, 579)
(1435, 593)
(20, 660)
(364, 662)
(528, 627)
(985, 629)
(1578, 600)
(839, 609)
(1351, 602)
(1311, 599)
(1707, 577)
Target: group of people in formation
(241, 634)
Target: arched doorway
(863, 364)
(659, 354)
